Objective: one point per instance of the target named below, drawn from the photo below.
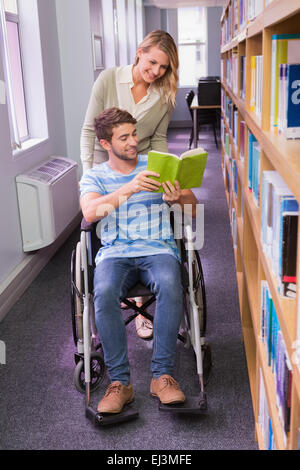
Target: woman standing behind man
(147, 90)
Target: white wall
(97, 26)
(77, 70)
(11, 252)
(214, 40)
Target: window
(21, 51)
(14, 71)
(192, 45)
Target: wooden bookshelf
(254, 38)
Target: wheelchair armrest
(87, 226)
(188, 233)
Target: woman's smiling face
(152, 64)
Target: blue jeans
(112, 280)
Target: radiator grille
(51, 170)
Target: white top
(124, 83)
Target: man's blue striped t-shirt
(140, 226)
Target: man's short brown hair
(110, 118)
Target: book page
(196, 151)
(156, 153)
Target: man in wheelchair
(121, 193)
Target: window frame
(14, 18)
(31, 56)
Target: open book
(187, 169)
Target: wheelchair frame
(89, 361)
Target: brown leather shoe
(167, 390)
(117, 395)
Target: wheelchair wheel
(199, 289)
(199, 294)
(97, 372)
(76, 294)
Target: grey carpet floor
(41, 409)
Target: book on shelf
(256, 72)
(277, 356)
(255, 7)
(242, 140)
(289, 100)
(256, 172)
(234, 177)
(264, 419)
(227, 145)
(187, 169)
(283, 204)
(226, 30)
(234, 124)
(242, 14)
(285, 50)
(234, 228)
(243, 77)
(279, 222)
(270, 179)
(234, 72)
(288, 254)
(235, 17)
(253, 82)
(251, 140)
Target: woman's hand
(171, 193)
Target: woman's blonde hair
(167, 84)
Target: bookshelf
(248, 28)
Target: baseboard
(25, 273)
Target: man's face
(124, 142)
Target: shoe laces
(113, 388)
(169, 381)
(146, 324)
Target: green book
(187, 169)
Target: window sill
(28, 146)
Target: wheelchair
(90, 367)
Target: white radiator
(48, 197)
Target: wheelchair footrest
(104, 419)
(192, 405)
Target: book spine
(272, 113)
(293, 101)
(242, 140)
(285, 204)
(281, 96)
(253, 82)
(287, 264)
(251, 140)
